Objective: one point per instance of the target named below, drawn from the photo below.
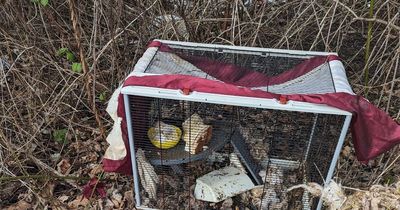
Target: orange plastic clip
(186, 91)
(283, 100)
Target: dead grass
(40, 94)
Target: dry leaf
(109, 204)
(377, 197)
(79, 201)
(20, 205)
(63, 198)
(116, 198)
(128, 198)
(64, 167)
(97, 169)
(227, 203)
(257, 191)
(346, 151)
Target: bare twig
(87, 74)
(396, 27)
(121, 32)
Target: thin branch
(121, 32)
(379, 21)
(88, 76)
(347, 8)
(39, 176)
(356, 17)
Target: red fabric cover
(236, 75)
(373, 131)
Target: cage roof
(270, 70)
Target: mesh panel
(283, 148)
(168, 63)
(317, 81)
(257, 61)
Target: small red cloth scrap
(93, 187)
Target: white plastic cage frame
(271, 104)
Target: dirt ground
(60, 61)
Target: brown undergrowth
(52, 116)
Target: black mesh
(261, 62)
(299, 145)
(318, 81)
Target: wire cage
(188, 138)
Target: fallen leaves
(116, 199)
(20, 205)
(63, 198)
(96, 170)
(377, 197)
(346, 152)
(128, 198)
(88, 151)
(227, 203)
(79, 201)
(64, 167)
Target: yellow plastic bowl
(168, 141)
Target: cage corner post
(132, 149)
(335, 158)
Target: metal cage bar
(232, 100)
(335, 158)
(311, 137)
(132, 149)
(242, 49)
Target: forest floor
(60, 61)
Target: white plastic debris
(220, 184)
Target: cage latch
(283, 100)
(186, 91)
